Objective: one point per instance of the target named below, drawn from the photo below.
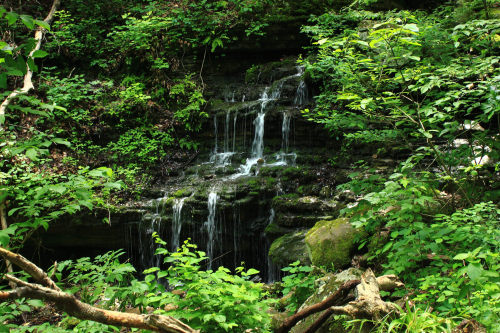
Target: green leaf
(39, 54)
(32, 154)
(252, 271)
(5, 235)
(461, 256)
(31, 63)
(42, 24)
(322, 41)
(412, 27)
(35, 303)
(220, 318)
(58, 188)
(11, 18)
(28, 21)
(474, 271)
(60, 141)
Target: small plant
(412, 320)
(299, 282)
(98, 279)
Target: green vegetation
(106, 98)
(428, 81)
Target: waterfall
(177, 223)
(226, 132)
(272, 269)
(301, 95)
(222, 159)
(285, 132)
(234, 130)
(147, 246)
(211, 226)
(215, 134)
(257, 151)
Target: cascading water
(272, 269)
(242, 239)
(226, 132)
(177, 223)
(234, 130)
(211, 226)
(222, 159)
(301, 94)
(257, 152)
(147, 245)
(285, 132)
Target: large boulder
(289, 248)
(331, 242)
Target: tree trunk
(47, 290)
(28, 83)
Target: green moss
(273, 230)
(271, 171)
(182, 193)
(330, 242)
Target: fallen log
(47, 290)
(338, 297)
(366, 304)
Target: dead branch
(71, 305)
(28, 84)
(338, 297)
(368, 303)
(38, 274)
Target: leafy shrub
(215, 301)
(98, 279)
(142, 145)
(299, 282)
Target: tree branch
(71, 305)
(28, 84)
(367, 304)
(338, 297)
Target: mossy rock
(289, 248)
(297, 220)
(309, 205)
(331, 242)
(273, 230)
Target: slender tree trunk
(28, 83)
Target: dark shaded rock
(289, 248)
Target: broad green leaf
(474, 271)
(61, 142)
(28, 21)
(39, 54)
(32, 154)
(11, 18)
(322, 41)
(412, 27)
(42, 24)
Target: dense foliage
(120, 99)
(430, 81)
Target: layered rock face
(262, 179)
